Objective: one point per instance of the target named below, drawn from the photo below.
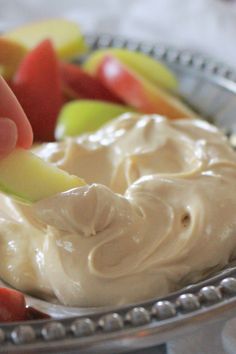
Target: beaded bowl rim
(151, 322)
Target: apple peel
(83, 116)
(150, 69)
(28, 178)
(65, 36)
(138, 92)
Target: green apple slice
(151, 69)
(28, 178)
(65, 36)
(82, 116)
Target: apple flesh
(28, 178)
(84, 116)
(138, 92)
(151, 69)
(11, 54)
(65, 36)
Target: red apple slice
(138, 92)
(38, 88)
(12, 305)
(151, 69)
(77, 83)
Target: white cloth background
(205, 25)
(208, 26)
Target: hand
(15, 129)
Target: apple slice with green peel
(82, 116)
(11, 54)
(151, 69)
(65, 36)
(28, 178)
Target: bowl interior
(207, 91)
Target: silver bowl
(210, 88)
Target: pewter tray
(210, 88)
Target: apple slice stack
(137, 90)
(35, 59)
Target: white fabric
(208, 26)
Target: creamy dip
(158, 213)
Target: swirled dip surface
(158, 213)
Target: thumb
(10, 107)
(8, 136)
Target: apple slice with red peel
(76, 83)
(142, 64)
(11, 54)
(65, 36)
(26, 177)
(37, 86)
(34, 314)
(137, 92)
(84, 116)
(12, 305)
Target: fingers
(8, 136)
(10, 107)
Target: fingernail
(8, 136)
